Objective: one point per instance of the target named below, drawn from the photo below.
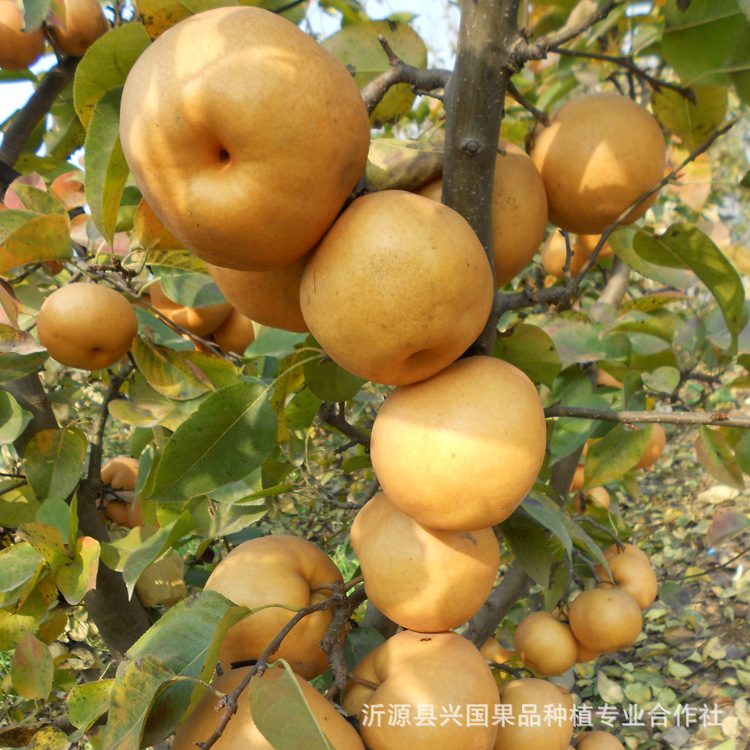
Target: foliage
(276, 439)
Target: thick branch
(720, 419)
(514, 585)
(34, 111)
(474, 103)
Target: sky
(436, 21)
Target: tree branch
(34, 111)
(720, 419)
(474, 104)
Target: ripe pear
(244, 135)
(201, 321)
(598, 739)
(85, 22)
(633, 574)
(270, 298)
(519, 210)
(534, 697)
(605, 619)
(600, 153)
(422, 579)
(86, 325)
(18, 48)
(121, 473)
(398, 288)
(654, 449)
(598, 496)
(235, 334)
(278, 569)
(545, 644)
(425, 672)
(461, 449)
(242, 732)
(626, 547)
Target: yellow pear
(599, 154)
(398, 288)
(538, 701)
(461, 449)
(85, 22)
(270, 298)
(422, 579)
(545, 644)
(278, 569)
(605, 619)
(244, 135)
(18, 48)
(70, 325)
(429, 675)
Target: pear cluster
(76, 29)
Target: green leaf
(532, 351)
(106, 65)
(708, 43)
(274, 342)
(104, 161)
(549, 515)
(87, 701)
(20, 567)
(32, 669)
(530, 545)
(282, 715)
(186, 640)
(53, 462)
(226, 438)
(357, 47)
(132, 696)
(20, 353)
(38, 200)
(328, 380)
(143, 545)
(47, 541)
(13, 418)
(684, 245)
(169, 372)
(28, 237)
(571, 433)
(188, 287)
(621, 241)
(17, 506)
(615, 454)
(22, 620)
(662, 379)
(692, 122)
(716, 457)
(76, 578)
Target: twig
(401, 72)
(338, 600)
(656, 84)
(334, 416)
(721, 419)
(565, 35)
(97, 439)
